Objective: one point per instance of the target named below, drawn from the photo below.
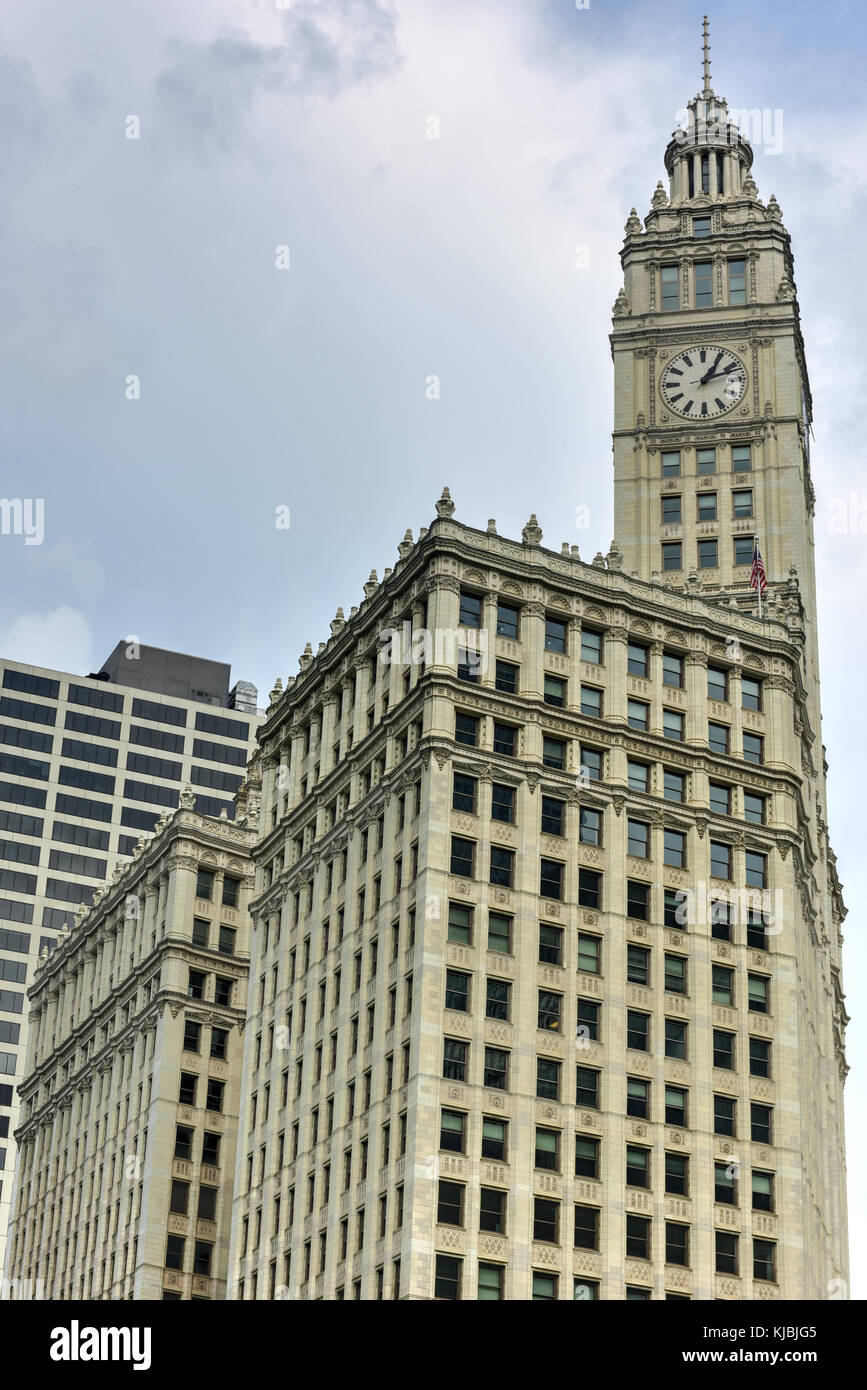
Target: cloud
(60, 640)
(324, 48)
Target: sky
(237, 240)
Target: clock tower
(712, 400)
(712, 414)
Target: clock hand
(707, 376)
(701, 380)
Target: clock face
(703, 382)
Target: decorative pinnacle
(706, 58)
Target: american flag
(757, 573)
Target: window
(553, 752)
(201, 932)
(672, 670)
(555, 691)
(214, 1099)
(547, 1079)
(725, 1186)
(637, 656)
(502, 803)
(589, 950)
(723, 1049)
(672, 555)
(187, 1089)
(552, 815)
(591, 645)
(498, 998)
(637, 714)
(460, 924)
(499, 933)
(586, 1157)
(672, 725)
(743, 550)
(550, 945)
(638, 1237)
(219, 1043)
(737, 282)
(450, 1203)
(673, 784)
(675, 1106)
(175, 1252)
(589, 888)
(491, 1280)
(467, 730)
(493, 1139)
(670, 294)
(755, 869)
(591, 763)
(636, 1295)
(638, 900)
(230, 892)
(591, 701)
(675, 907)
(548, 1149)
(544, 1287)
(586, 1228)
(447, 1277)
(760, 1057)
(718, 738)
(546, 1220)
(470, 611)
(457, 991)
(638, 832)
(590, 822)
(671, 515)
(207, 1207)
(720, 860)
(587, 1088)
(751, 693)
(496, 1068)
(676, 1243)
(675, 1039)
(707, 555)
(183, 1142)
(637, 1098)
(760, 1123)
(701, 226)
(705, 460)
(226, 941)
(637, 1031)
(180, 1197)
(721, 920)
(763, 1191)
(505, 739)
(674, 848)
(717, 684)
(676, 1174)
(724, 1115)
(506, 677)
(204, 885)
(551, 879)
(502, 866)
(703, 277)
(723, 984)
(706, 506)
(757, 991)
(637, 965)
(742, 458)
(742, 503)
(463, 856)
(720, 798)
(507, 621)
(671, 463)
(192, 1035)
(764, 1259)
(753, 748)
(638, 777)
(453, 1131)
(555, 635)
(492, 1211)
(464, 793)
(637, 1167)
(754, 809)
(455, 1059)
(756, 934)
(550, 1010)
(675, 974)
(725, 1252)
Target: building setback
(131, 1101)
(87, 766)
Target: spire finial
(706, 57)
